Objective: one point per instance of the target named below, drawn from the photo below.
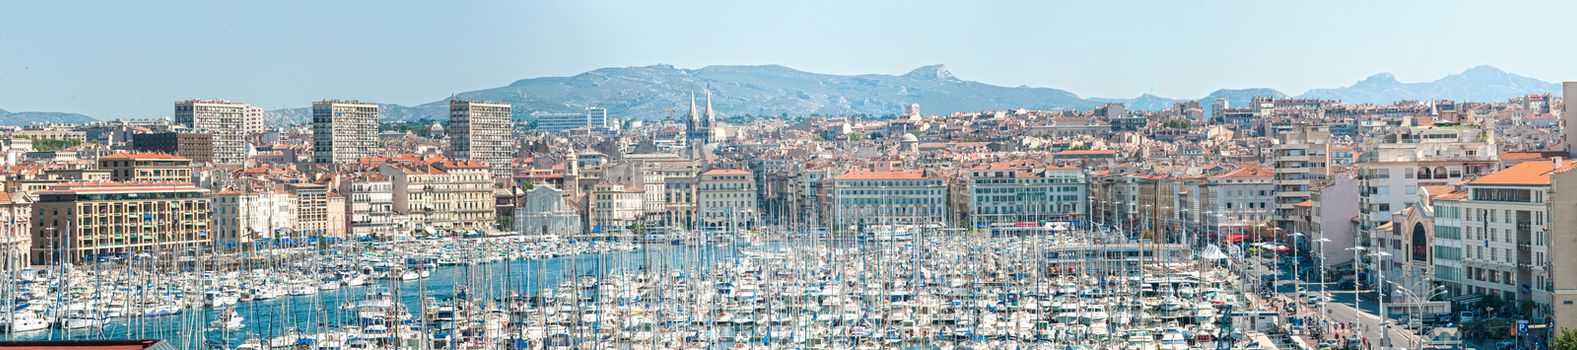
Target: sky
(114, 59)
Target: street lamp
(1385, 318)
(1323, 287)
(1297, 274)
(1357, 251)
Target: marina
(894, 287)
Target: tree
(1567, 340)
(1079, 148)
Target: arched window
(1420, 243)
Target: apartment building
(614, 208)
(16, 219)
(1301, 158)
(1505, 228)
(441, 194)
(480, 131)
(242, 217)
(312, 209)
(1004, 193)
(76, 221)
(225, 120)
(147, 167)
(343, 131)
(861, 198)
(369, 205)
(1393, 167)
(726, 198)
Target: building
(726, 199)
(1505, 229)
(1569, 114)
(1239, 202)
(543, 213)
(1331, 217)
(197, 146)
(244, 217)
(480, 131)
(595, 118)
(343, 131)
(1563, 238)
(862, 198)
(1301, 159)
(78, 220)
(225, 120)
(147, 167)
(1024, 192)
(16, 219)
(437, 193)
(312, 209)
(614, 208)
(369, 205)
(1394, 166)
(252, 120)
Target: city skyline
(102, 62)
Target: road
(1340, 308)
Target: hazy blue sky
(133, 58)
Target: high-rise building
(480, 131)
(224, 119)
(343, 131)
(1302, 160)
(252, 118)
(80, 220)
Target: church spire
(693, 115)
(709, 118)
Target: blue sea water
(323, 311)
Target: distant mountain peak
(1480, 83)
(1486, 70)
(931, 72)
(1379, 79)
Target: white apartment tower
(226, 120)
(343, 131)
(480, 131)
(1302, 159)
(252, 119)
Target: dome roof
(910, 138)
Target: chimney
(1558, 163)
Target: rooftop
(1524, 174)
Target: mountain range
(660, 91)
(8, 118)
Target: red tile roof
(1524, 174)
